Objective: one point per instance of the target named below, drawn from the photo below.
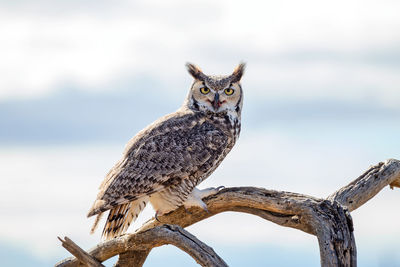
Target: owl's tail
(121, 217)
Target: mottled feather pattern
(151, 162)
(120, 217)
(165, 161)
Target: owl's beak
(215, 103)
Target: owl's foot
(193, 201)
(156, 217)
(186, 210)
(195, 198)
(160, 213)
(208, 191)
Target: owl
(165, 162)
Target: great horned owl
(165, 161)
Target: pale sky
(79, 78)
(345, 47)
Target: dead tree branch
(328, 219)
(79, 253)
(368, 184)
(128, 245)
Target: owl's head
(215, 94)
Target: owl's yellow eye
(204, 90)
(229, 91)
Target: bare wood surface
(148, 239)
(79, 253)
(368, 184)
(132, 258)
(334, 230)
(276, 206)
(395, 184)
(328, 219)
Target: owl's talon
(186, 210)
(207, 192)
(206, 209)
(156, 217)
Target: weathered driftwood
(328, 219)
(127, 246)
(79, 253)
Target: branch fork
(328, 219)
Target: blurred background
(79, 78)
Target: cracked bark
(132, 258)
(328, 219)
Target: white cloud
(327, 80)
(90, 47)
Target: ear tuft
(238, 72)
(195, 71)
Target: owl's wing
(171, 150)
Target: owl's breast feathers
(181, 145)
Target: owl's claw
(186, 210)
(203, 206)
(208, 191)
(195, 198)
(156, 217)
(206, 209)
